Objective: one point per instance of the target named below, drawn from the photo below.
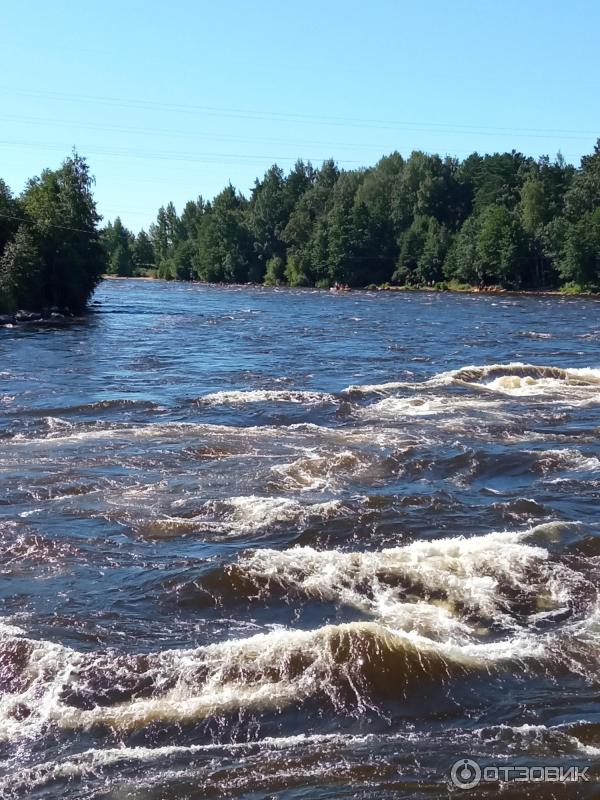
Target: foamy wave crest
(166, 431)
(257, 512)
(353, 666)
(565, 459)
(515, 378)
(247, 514)
(524, 380)
(349, 665)
(423, 406)
(302, 751)
(424, 586)
(318, 471)
(377, 388)
(541, 737)
(96, 762)
(536, 334)
(267, 396)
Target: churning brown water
(288, 544)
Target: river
(270, 543)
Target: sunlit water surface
(292, 544)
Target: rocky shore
(52, 316)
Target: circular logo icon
(465, 773)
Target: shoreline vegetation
(452, 288)
(502, 220)
(495, 223)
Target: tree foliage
(51, 252)
(502, 219)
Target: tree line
(51, 255)
(503, 219)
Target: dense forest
(503, 220)
(51, 256)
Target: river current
(263, 543)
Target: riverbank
(489, 290)
(35, 318)
(450, 289)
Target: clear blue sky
(172, 100)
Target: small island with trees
(51, 255)
(504, 220)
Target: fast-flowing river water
(261, 543)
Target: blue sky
(172, 100)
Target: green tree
(275, 272)
(584, 193)
(182, 261)
(225, 250)
(159, 238)
(430, 263)
(22, 273)
(267, 215)
(9, 215)
(118, 243)
(490, 249)
(191, 218)
(501, 248)
(305, 234)
(143, 252)
(580, 261)
(412, 242)
(60, 207)
(495, 179)
(462, 260)
(293, 273)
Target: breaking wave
(524, 380)
(515, 379)
(445, 587)
(350, 665)
(267, 396)
(246, 514)
(321, 471)
(423, 406)
(433, 607)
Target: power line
(203, 158)
(282, 116)
(49, 224)
(438, 130)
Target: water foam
(423, 406)
(267, 396)
(52, 685)
(320, 471)
(478, 575)
(526, 380)
(565, 459)
(427, 601)
(515, 378)
(247, 514)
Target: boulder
(27, 316)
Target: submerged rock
(27, 316)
